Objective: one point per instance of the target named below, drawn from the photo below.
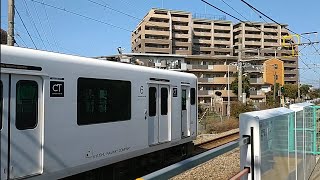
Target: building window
(152, 101)
(184, 99)
(193, 96)
(103, 100)
(26, 104)
(164, 101)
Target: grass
(213, 124)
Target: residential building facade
(211, 46)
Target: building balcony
(290, 72)
(254, 68)
(180, 27)
(271, 44)
(222, 27)
(247, 28)
(253, 43)
(157, 41)
(201, 41)
(202, 34)
(182, 52)
(211, 68)
(290, 65)
(155, 32)
(270, 37)
(257, 95)
(177, 35)
(226, 35)
(256, 81)
(211, 93)
(178, 43)
(227, 43)
(273, 30)
(201, 26)
(181, 19)
(157, 50)
(215, 80)
(159, 24)
(162, 16)
(290, 79)
(257, 36)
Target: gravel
(222, 167)
(206, 137)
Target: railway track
(211, 144)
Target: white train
(62, 115)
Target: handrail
(189, 163)
(241, 173)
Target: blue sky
(72, 34)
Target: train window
(164, 101)
(152, 101)
(184, 99)
(26, 104)
(1, 101)
(193, 96)
(103, 100)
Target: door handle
(145, 114)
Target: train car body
(62, 115)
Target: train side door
(25, 125)
(185, 111)
(159, 124)
(164, 117)
(153, 115)
(4, 93)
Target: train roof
(34, 57)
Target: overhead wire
(317, 50)
(255, 9)
(41, 26)
(23, 42)
(71, 51)
(134, 17)
(25, 27)
(33, 23)
(80, 15)
(49, 24)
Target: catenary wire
(25, 27)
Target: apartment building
(176, 32)
(268, 38)
(210, 46)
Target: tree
(314, 94)
(245, 85)
(290, 91)
(269, 96)
(304, 89)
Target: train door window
(193, 96)
(152, 101)
(26, 104)
(1, 102)
(103, 100)
(164, 101)
(184, 99)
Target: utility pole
(239, 75)
(274, 82)
(10, 38)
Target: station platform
(316, 172)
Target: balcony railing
(215, 80)
(256, 80)
(217, 68)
